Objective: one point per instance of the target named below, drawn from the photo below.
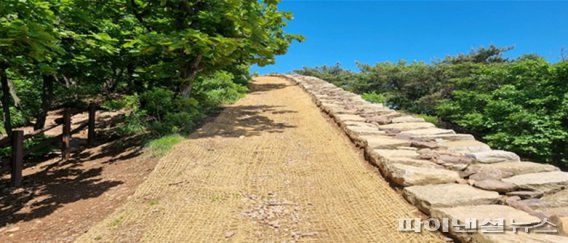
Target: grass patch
(153, 202)
(160, 146)
(116, 222)
(432, 119)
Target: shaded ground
(269, 168)
(61, 200)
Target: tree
(200, 36)
(29, 37)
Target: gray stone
(546, 182)
(494, 156)
(488, 173)
(394, 153)
(347, 117)
(384, 142)
(495, 185)
(428, 131)
(421, 144)
(480, 212)
(435, 137)
(404, 119)
(514, 168)
(483, 212)
(407, 175)
(562, 224)
(448, 195)
(407, 126)
(358, 133)
(526, 194)
(467, 146)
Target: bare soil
(60, 200)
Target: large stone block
(494, 156)
(347, 117)
(407, 126)
(467, 146)
(408, 175)
(546, 182)
(385, 142)
(404, 119)
(514, 168)
(448, 195)
(482, 213)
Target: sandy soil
(269, 168)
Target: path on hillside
(269, 168)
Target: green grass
(161, 146)
(432, 119)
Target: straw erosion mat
(271, 167)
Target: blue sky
(347, 32)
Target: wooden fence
(17, 142)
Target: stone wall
(446, 174)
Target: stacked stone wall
(448, 175)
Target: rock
(447, 195)
(426, 131)
(494, 156)
(381, 120)
(435, 137)
(427, 154)
(546, 182)
(420, 144)
(526, 194)
(558, 199)
(13, 230)
(407, 148)
(519, 237)
(357, 133)
(407, 175)
(347, 117)
(453, 158)
(486, 212)
(384, 142)
(467, 146)
(404, 119)
(495, 185)
(516, 168)
(523, 205)
(488, 174)
(229, 234)
(481, 212)
(393, 153)
(561, 224)
(357, 124)
(551, 204)
(381, 157)
(408, 126)
(461, 181)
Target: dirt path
(268, 168)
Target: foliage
(168, 62)
(374, 97)
(518, 105)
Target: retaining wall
(450, 175)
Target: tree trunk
(46, 98)
(189, 75)
(6, 101)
